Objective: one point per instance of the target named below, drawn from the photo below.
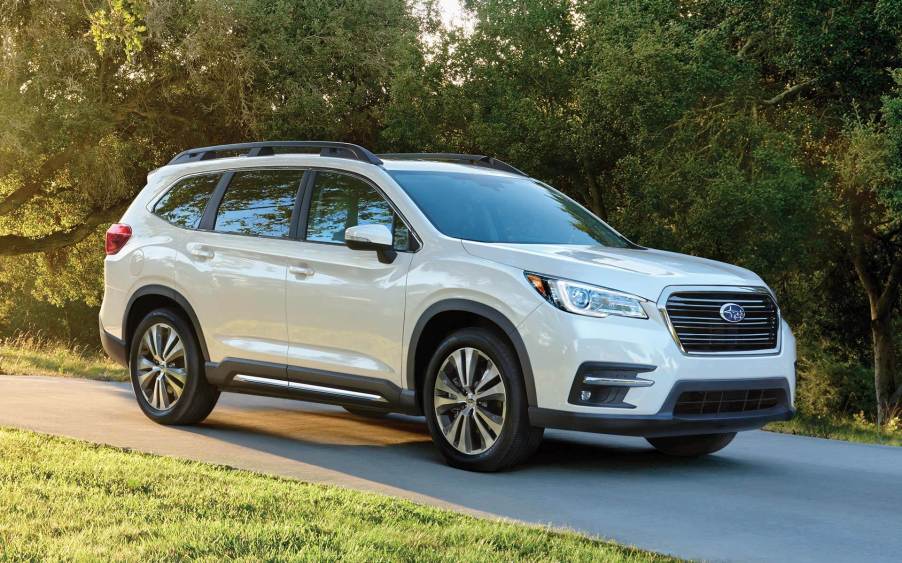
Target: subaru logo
(731, 312)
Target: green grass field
(65, 499)
(28, 355)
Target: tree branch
(891, 290)
(13, 245)
(789, 92)
(32, 188)
(19, 197)
(859, 259)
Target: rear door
(237, 264)
(345, 307)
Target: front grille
(696, 319)
(725, 402)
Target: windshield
(489, 208)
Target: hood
(642, 272)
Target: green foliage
(119, 25)
(759, 132)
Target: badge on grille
(731, 312)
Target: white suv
(452, 286)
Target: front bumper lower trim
(665, 423)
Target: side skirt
(318, 386)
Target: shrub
(829, 386)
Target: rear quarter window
(184, 203)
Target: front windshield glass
(504, 209)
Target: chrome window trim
(671, 289)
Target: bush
(829, 386)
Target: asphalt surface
(767, 497)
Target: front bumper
(114, 347)
(559, 344)
(665, 422)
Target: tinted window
(489, 208)
(259, 202)
(340, 201)
(184, 204)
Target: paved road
(766, 497)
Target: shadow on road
(568, 470)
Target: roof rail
(267, 148)
(473, 159)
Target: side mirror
(372, 237)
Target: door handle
(301, 270)
(200, 250)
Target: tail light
(116, 237)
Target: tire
(494, 433)
(367, 412)
(196, 397)
(692, 446)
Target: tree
(95, 94)
(868, 191)
(91, 98)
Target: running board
(308, 388)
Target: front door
(345, 307)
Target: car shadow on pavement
(396, 453)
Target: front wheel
(167, 370)
(475, 402)
(692, 446)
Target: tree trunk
(882, 298)
(885, 379)
(596, 197)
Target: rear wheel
(692, 446)
(475, 403)
(167, 370)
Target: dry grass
(28, 354)
(850, 429)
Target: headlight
(584, 299)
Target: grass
(32, 355)
(853, 429)
(65, 499)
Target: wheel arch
(451, 314)
(150, 297)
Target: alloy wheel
(161, 367)
(470, 401)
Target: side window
(259, 202)
(340, 201)
(184, 203)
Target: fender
(489, 313)
(168, 292)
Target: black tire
(367, 412)
(517, 439)
(198, 397)
(692, 446)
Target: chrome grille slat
(697, 324)
(693, 300)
